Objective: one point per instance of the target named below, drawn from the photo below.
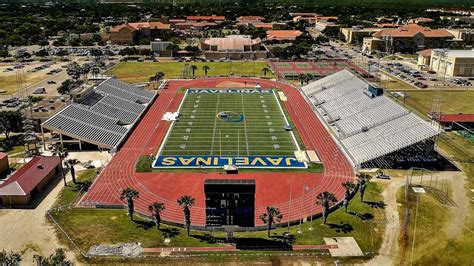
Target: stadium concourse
(272, 188)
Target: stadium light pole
(305, 187)
(289, 206)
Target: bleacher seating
(367, 126)
(105, 116)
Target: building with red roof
(408, 38)
(20, 188)
(213, 18)
(283, 35)
(456, 118)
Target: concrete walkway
(228, 248)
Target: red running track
(271, 188)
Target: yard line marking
(245, 124)
(215, 122)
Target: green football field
(230, 124)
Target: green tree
(9, 121)
(156, 208)
(265, 70)
(10, 258)
(363, 180)
(55, 259)
(206, 69)
(186, 202)
(59, 150)
(129, 194)
(325, 200)
(349, 187)
(271, 217)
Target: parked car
(39, 90)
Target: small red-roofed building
(27, 182)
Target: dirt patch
(231, 84)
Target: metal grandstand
(367, 124)
(105, 115)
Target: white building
(455, 63)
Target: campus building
(408, 38)
(233, 47)
(129, 33)
(30, 180)
(283, 35)
(455, 63)
(356, 35)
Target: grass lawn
(91, 226)
(430, 237)
(393, 84)
(368, 233)
(453, 102)
(141, 71)
(432, 245)
(68, 194)
(8, 82)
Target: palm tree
(349, 186)
(265, 70)
(206, 68)
(129, 194)
(57, 258)
(271, 217)
(326, 200)
(156, 208)
(60, 151)
(70, 163)
(301, 77)
(156, 78)
(363, 179)
(186, 202)
(193, 69)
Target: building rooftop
(205, 17)
(232, 42)
(461, 118)
(250, 18)
(283, 34)
(24, 180)
(139, 25)
(411, 30)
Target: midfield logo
(219, 162)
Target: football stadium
(238, 145)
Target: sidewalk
(228, 248)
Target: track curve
(271, 188)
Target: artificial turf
(255, 126)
